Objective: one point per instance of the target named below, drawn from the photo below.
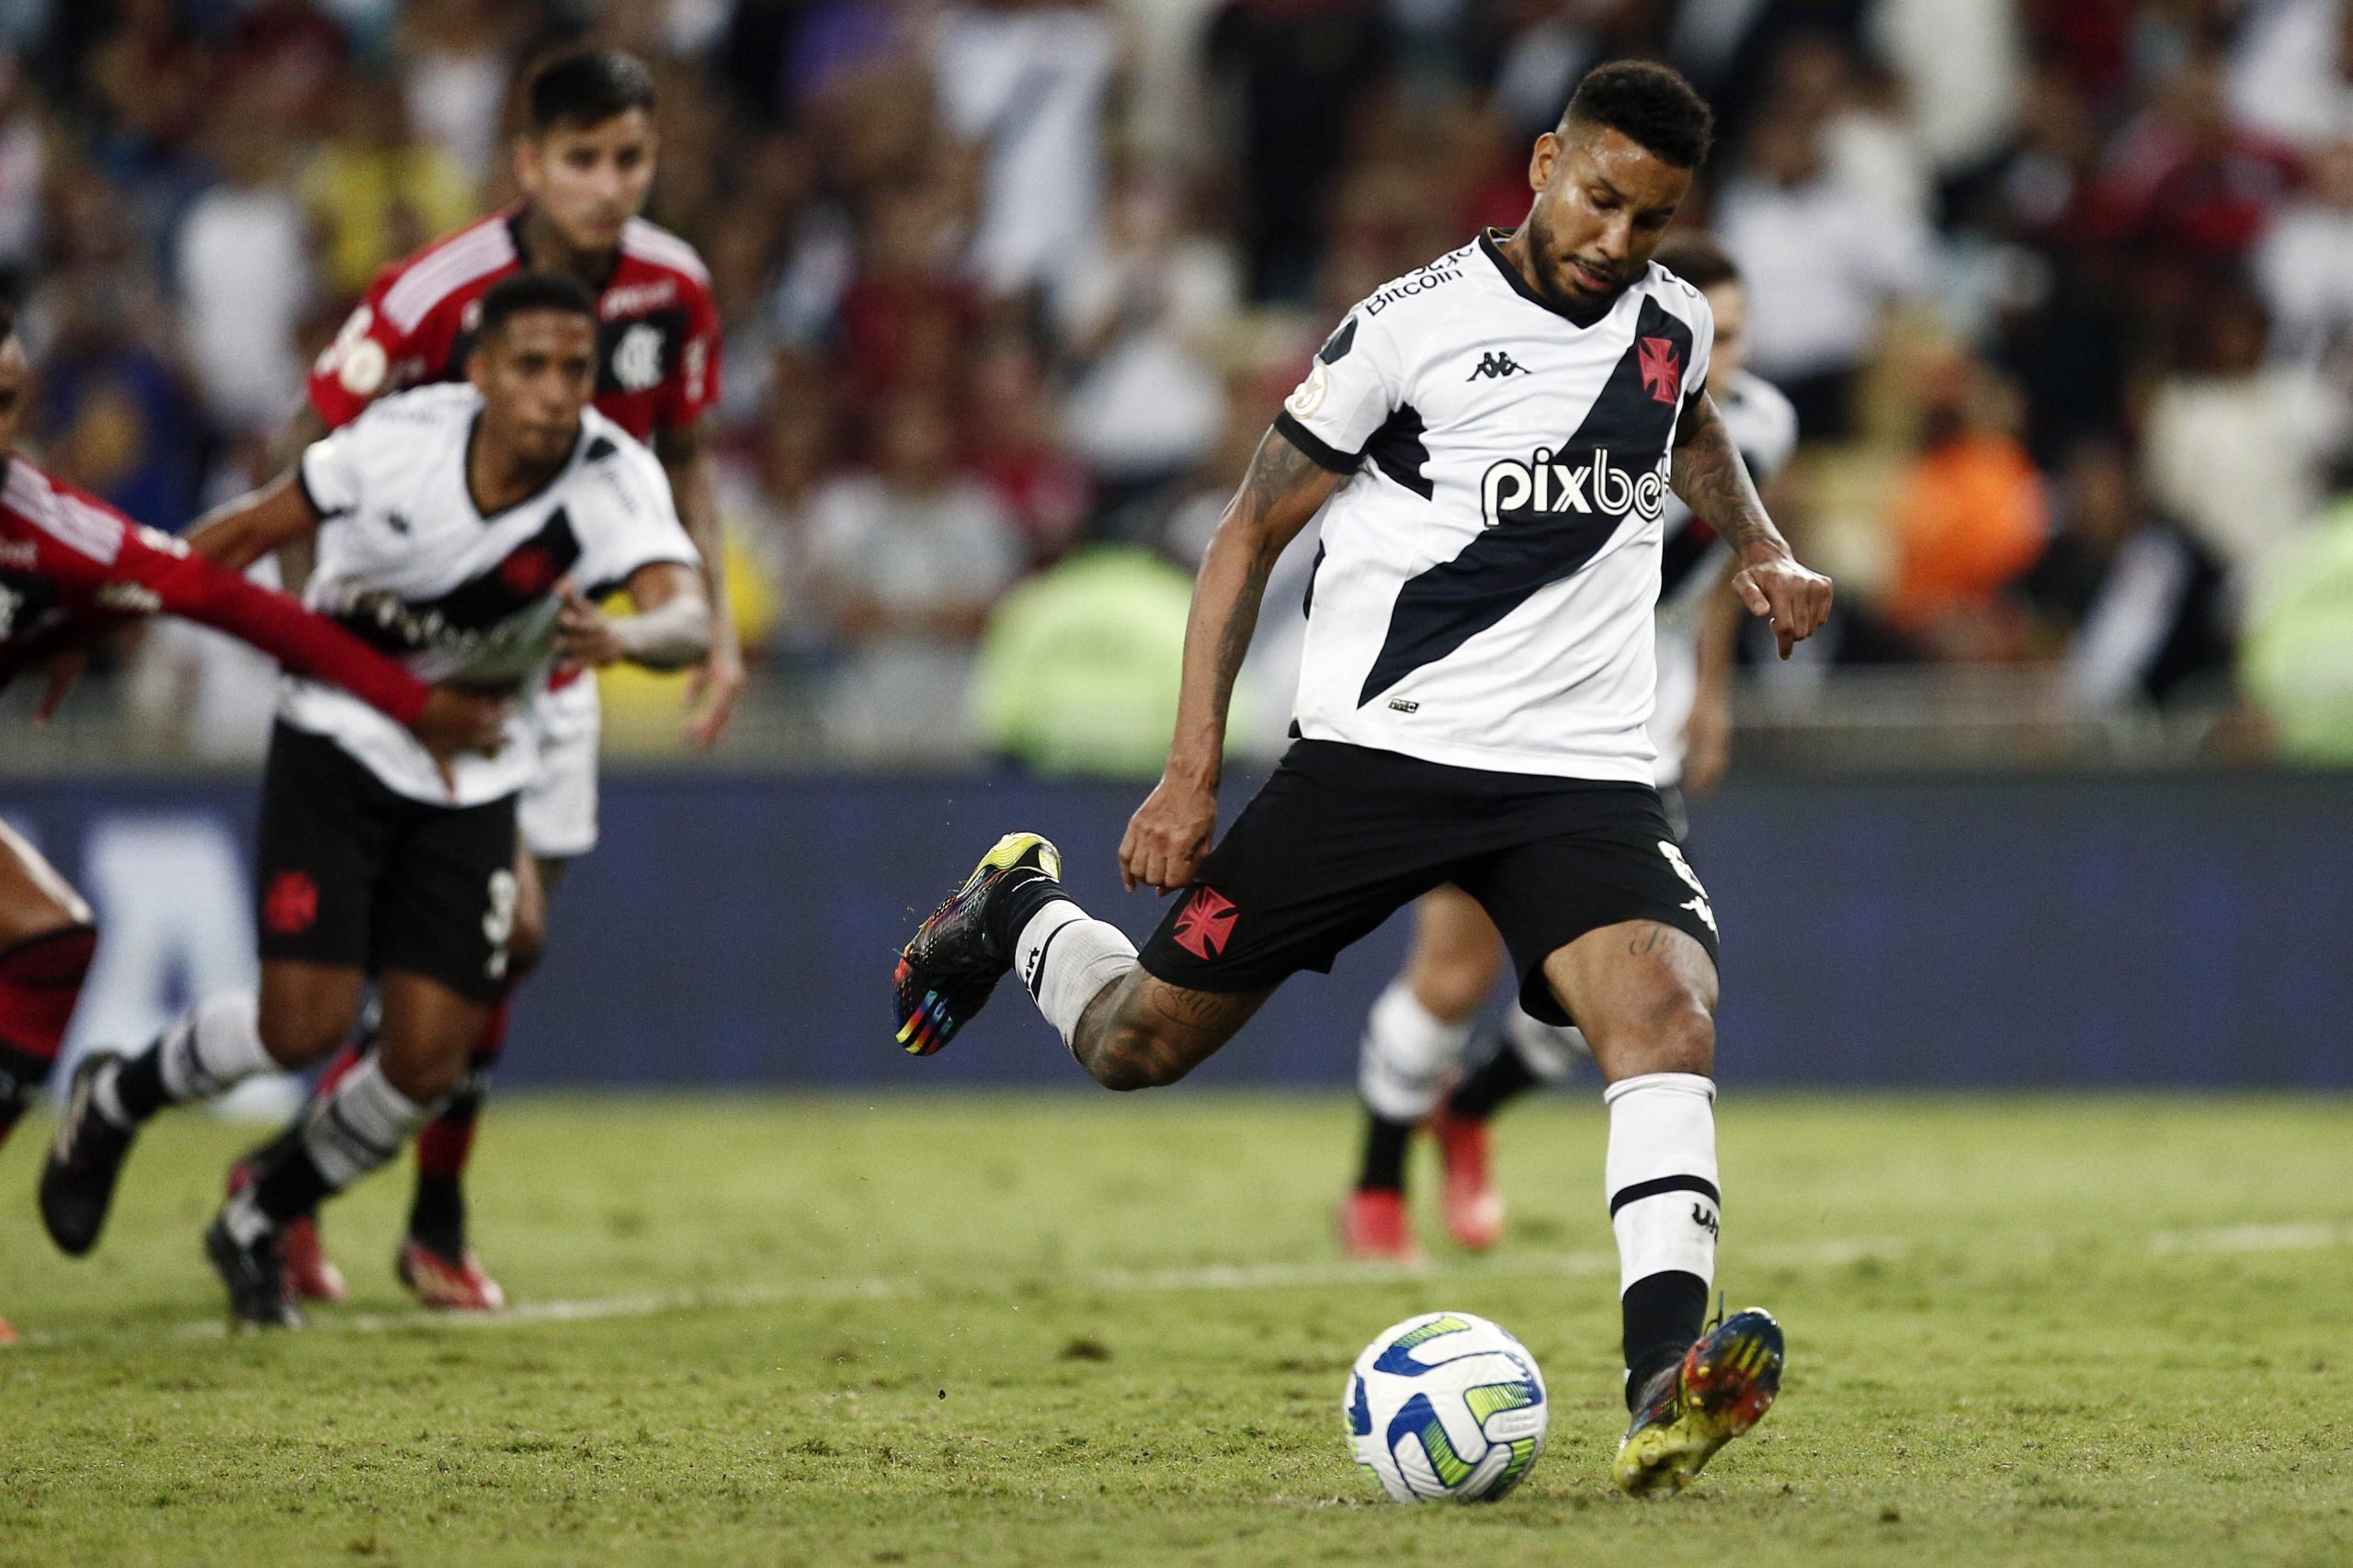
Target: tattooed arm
(1171, 830)
(1712, 480)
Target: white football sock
(360, 1124)
(1066, 957)
(1664, 1201)
(208, 1051)
(1407, 1053)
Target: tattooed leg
(1139, 1032)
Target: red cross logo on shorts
(292, 903)
(1662, 369)
(1205, 922)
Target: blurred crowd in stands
(2062, 288)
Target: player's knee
(296, 1036)
(528, 943)
(1680, 1037)
(1135, 1059)
(426, 1077)
(1451, 986)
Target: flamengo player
(469, 527)
(586, 160)
(1418, 1030)
(1495, 436)
(70, 566)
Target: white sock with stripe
(1066, 957)
(1664, 1206)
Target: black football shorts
(1343, 836)
(357, 875)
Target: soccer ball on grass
(1445, 1406)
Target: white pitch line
(1834, 1252)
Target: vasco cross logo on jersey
(1662, 369)
(1205, 922)
(1496, 367)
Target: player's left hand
(712, 689)
(584, 637)
(1797, 601)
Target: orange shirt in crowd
(1970, 517)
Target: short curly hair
(1650, 103)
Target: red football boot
(447, 1284)
(8, 1335)
(1374, 1227)
(1472, 1204)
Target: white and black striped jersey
(408, 562)
(1486, 578)
(1693, 560)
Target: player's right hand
(455, 721)
(1168, 836)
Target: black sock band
(290, 1186)
(436, 1215)
(139, 1084)
(1501, 1078)
(1664, 1313)
(1384, 1153)
(1018, 895)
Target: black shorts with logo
(354, 874)
(1343, 836)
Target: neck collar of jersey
(466, 469)
(1491, 241)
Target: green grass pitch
(1088, 1329)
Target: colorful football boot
(947, 971)
(1374, 1227)
(1723, 1386)
(445, 1283)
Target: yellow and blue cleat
(947, 971)
(1723, 1386)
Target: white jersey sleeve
(1356, 383)
(625, 516)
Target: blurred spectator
(1970, 517)
(1025, 81)
(768, 497)
(1290, 75)
(904, 564)
(1048, 492)
(2298, 663)
(2291, 70)
(457, 58)
(245, 275)
(1139, 318)
(1961, 62)
(2236, 447)
(374, 192)
(2132, 605)
(114, 417)
(23, 152)
(907, 318)
(1078, 672)
(1824, 259)
(2304, 266)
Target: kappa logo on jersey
(1543, 486)
(1496, 367)
(292, 903)
(1662, 369)
(1205, 922)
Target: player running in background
(468, 528)
(70, 568)
(586, 160)
(1416, 1036)
(1495, 436)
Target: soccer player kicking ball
(1494, 436)
(71, 567)
(466, 527)
(586, 161)
(1417, 1033)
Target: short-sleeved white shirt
(408, 562)
(1488, 571)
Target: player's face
(1729, 301)
(588, 181)
(1603, 201)
(536, 375)
(15, 389)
